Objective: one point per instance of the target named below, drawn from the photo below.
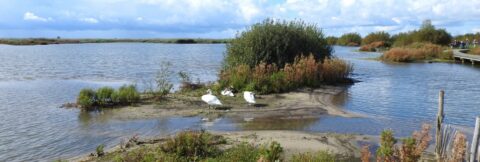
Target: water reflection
(274, 123)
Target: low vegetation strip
(108, 97)
(303, 72)
(47, 41)
(417, 52)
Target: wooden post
(474, 147)
(438, 135)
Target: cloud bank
(224, 18)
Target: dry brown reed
(413, 53)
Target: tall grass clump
(321, 156)
(128, 94)
(276, 42)
(350, 39)
(86, 98)
(106, 96)
(416, 52)
(193, 145)
(305, 71)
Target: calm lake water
(36, 80)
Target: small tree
(276, 42)
(162, 79)
(350, 39)
(380, 36)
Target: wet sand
(292, 142)
(298, 104)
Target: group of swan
(212, 100)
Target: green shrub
(469, 36)
(162, 80)
(242, 152)
(128, 94)
(380, 36)
(350, 39)
(99, 150)
(193, 145)
(104, 96)
(402, 39)
(273, 152)
(331, 40)
(386, 150)
(426, 34)
(86, 98)
(276, 42)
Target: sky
(225, 18)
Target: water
(36, 80)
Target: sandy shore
(292, 142)
(299, 104)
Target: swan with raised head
(210, 99)
(249, 97)
(228, 92)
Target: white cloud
(212, 16)
(32, 17)
(89, 20)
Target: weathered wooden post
(438, 135)
(474, 147)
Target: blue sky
(223, 19)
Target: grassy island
(47, 41)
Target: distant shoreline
(48, 41)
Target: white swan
(210, 99)
(227, 92)
(249, 97)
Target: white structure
(210, 99)
(249, 97)
(227, 92)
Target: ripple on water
(35, 80)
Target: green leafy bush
(99, 150)
(86, 98)
(162, 80)
(273, 152)
(104, 96)
(386, 150)
(350, 39)
(276, 42)
(331, 40)
(128, 94)
(242, 152)
(426, 34)
(380, 36)
(193, 145)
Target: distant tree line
(427, 33)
